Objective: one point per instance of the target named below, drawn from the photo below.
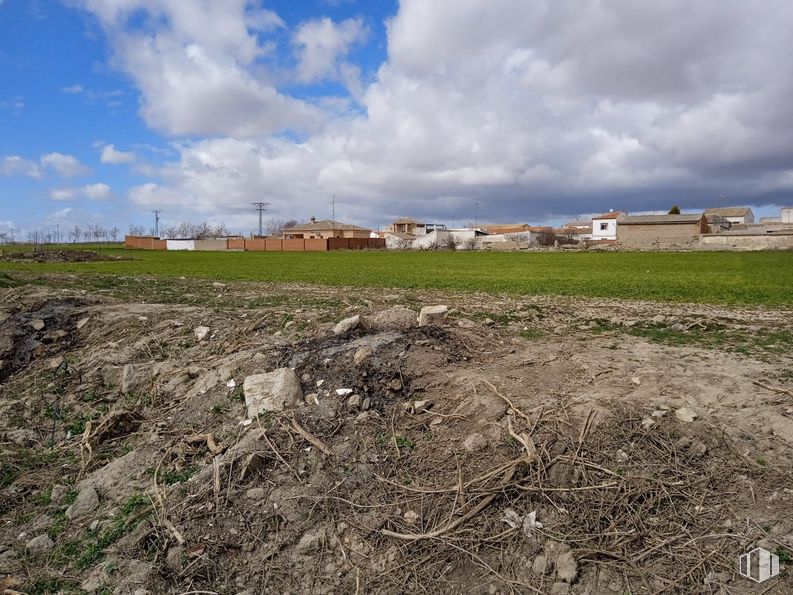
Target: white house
(787, 214)
(604, 227)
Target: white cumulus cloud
(65, 165)
(112, 156)
(532, 109)
(97, 191)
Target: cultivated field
(724, 277)
(530, 442)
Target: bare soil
(526, 445)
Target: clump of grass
(84, 554)
(532, 334)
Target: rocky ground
(184, 436)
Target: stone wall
(747, 242)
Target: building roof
(612, 215)
(406, 220)
(578, 223)
(728, 212)
(497, 228)
(324, 225)
(401, 236)
(661, 219)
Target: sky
(530, 111)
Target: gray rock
(174, 559)
(540, 564)
(560, 588)
(474, 442)
(433, 315)
(272, 391)
(354, 401)
(37, 324)
(201, 332)
(39, 544)
(57, 493)
(362, 354)
(678, 327)
(256, 494)
(218, 285)
(347, 325)
(396, 318)
(86, 502)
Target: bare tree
(171, 233)
(137, 230)
(114, 233)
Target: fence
(262, 244)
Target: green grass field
(761, 278)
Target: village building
(578, 229)
(604, 227)
(504, 228)
(406, 225)
(325, 229)
(732, 215)
(662, 231)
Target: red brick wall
(316, 245)
(293, 245)
(274, 245)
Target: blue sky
(536, 111)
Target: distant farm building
(662, 231)
(732, 215)
(604, 227)
(324, 230)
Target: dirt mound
(57, 256)
(514, 450)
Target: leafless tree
(114, 233)
(137, 230)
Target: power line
(260, 206)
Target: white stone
(272, 391)
(218, 285)
(686, 415)
(343, 392)
(347, 325)
(201, 332)
(37, 324)
(433, 315)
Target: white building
(604, 227)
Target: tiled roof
(660, 219)
(323, 225)
(728, 211)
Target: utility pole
(57, 233)
(476, 215)
(157, 222)
(333, 216)
(260, 206)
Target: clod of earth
(201, 332)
